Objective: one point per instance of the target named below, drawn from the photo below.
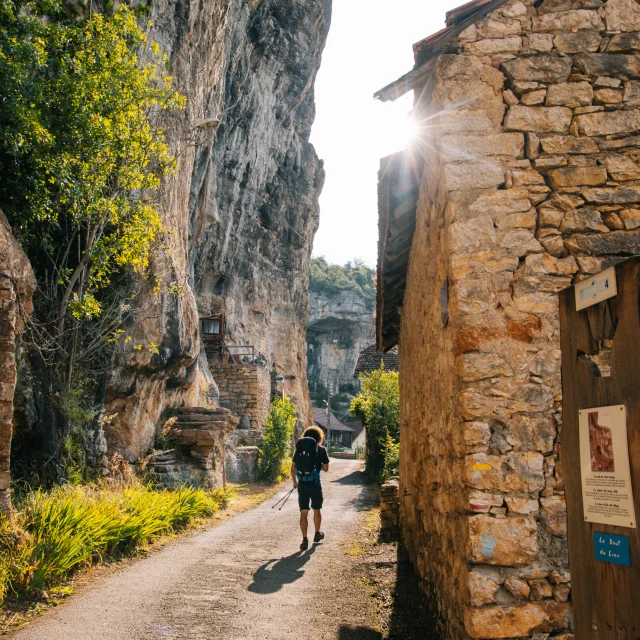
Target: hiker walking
(309, 459)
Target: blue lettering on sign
(610, 548)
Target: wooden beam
(456, 15)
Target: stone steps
(186, 411)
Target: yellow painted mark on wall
(482, 467)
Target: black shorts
(309, 491)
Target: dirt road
(243, 579)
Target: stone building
(241, 372)
(524, 180)
(245, 389)
(335, 433)
(17, 285)
(370, 360)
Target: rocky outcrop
(242, 452)
(240, 211)
(200, 437)
(340, 326)
(17, 284)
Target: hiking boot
(318, 537)
(304, 545)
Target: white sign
(607, 495)
(596, 289)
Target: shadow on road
(408, 614)
(358, 633)
(274, 574)
(355, 477)
(413, 617)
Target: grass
(54, 533)
(20, 609)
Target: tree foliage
(378, 407)
(331, 279)
(80, 154)
(275, 446)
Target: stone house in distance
(525, 179)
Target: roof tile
(370, 359)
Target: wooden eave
(398, 189)
(426, 51)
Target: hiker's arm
(325, 467)
(293, 475)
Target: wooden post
(606, 596)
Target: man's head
(315, 433)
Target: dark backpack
(307, 460)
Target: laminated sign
(600, 287)
(607, 495)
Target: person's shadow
(272, 575)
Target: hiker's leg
(304, 522)
(317, 519)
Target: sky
(369, 46)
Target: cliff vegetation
(332, 279)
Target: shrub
(391, 455)
(275, 448)
(80, 151)
(378, 407)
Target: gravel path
(243, 579)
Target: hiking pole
(279, 501)
(283, 498)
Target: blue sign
(610, 548)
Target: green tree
(378, 407)
(275, 446)
(80, 154)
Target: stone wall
(17, 285)
(245, 389)
(531, 182)
(343, 455)
(389, 508)
(200, 435)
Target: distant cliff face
(240, 212)
(340, 326)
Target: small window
(211, 327)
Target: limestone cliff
(241, 210)
(339, 327)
